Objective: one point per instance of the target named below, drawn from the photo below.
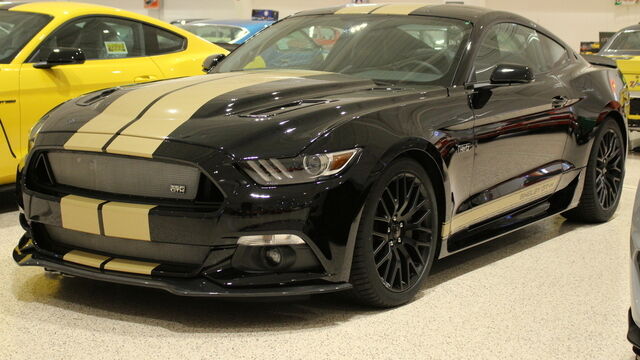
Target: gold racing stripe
(398, 9)
(177, 108)
(501, 205)
(128, 221)
(358, 9)
(131, 266)
(80, 214)
(93, 135)
(85, 258)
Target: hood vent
(281, 109)
(86, 101)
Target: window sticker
(116, 47)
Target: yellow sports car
(54, 51)
(624, 47)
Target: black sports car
(421, 131)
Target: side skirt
(521, 217)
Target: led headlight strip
(297, 170)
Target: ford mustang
(422, 131)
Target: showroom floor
(556, 290)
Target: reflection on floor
(556, 290)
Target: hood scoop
(285, 108)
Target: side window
(557, 56)
(98, 37)
(509, 43)
(160, 41)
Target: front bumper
(196, 286)
(633, 334)
(193, 250)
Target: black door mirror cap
(211, 62)
(62, 56)
(507, 74)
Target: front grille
(115, 177)
(120, 175)
(635, 106)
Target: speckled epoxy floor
(556, 290)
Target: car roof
(477, 15)
(65, 8)
(463, 12)
(242, 23)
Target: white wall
(572, 20)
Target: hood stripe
(143, 137)
(358, 9)
(93, 135)
(398, 9)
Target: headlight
(298, 170)
(35, 130)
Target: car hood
(248, 113)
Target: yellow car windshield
(16, 29)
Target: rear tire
(397, 236)
(603, 178)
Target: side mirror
(212, 61)
(505, 74)
(62, 56)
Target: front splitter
(198, 287)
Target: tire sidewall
(365, 228)
(608, 124)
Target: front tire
(397, 236)
(603, 178)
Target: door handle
(145, 78)
(559, 102)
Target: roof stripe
(398, 9)
(358, 9)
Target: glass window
(98, 37)
(626, 42)
(508, 43)
(16, 29)
(389, 49)
(217, 33)
(160, 41)
(557, 55)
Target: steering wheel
(414, 65)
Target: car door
(9, 122)
(520, 129)
(116, 55)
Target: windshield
(16, 29)
(626, 42)
(217, 33)
(387, 49)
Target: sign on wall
(626, 2)
(258, 14)
(151, 4)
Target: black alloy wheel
(609, 164)
(603, 177)
(397, 236)
(402, 232)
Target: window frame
(469, 78)
(30, 58)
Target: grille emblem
(178, 189)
